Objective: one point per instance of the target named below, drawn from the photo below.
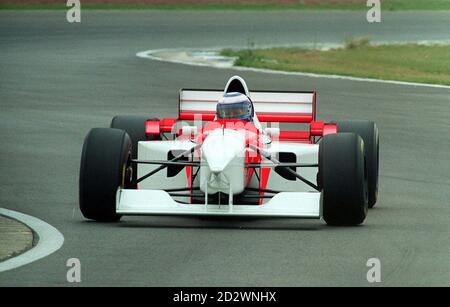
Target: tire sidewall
(105, 157)
(343, 179)
(368, 131)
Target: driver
(235, 106)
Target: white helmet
(235, 106)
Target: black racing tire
(105, 166)
(134, 125)
(368, 130)
(343, 179)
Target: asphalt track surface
(57, 80)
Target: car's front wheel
(105, 166)
(343, 179)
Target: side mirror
(189, 131)
(269, 135)
(272, 132)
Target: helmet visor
(239, 110)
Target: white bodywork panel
(156, 202)
(306, 153)
(158, 150)
(223, 165)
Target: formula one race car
(225, 155)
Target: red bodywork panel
(317, 128)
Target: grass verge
(405, 62)
(387, 5)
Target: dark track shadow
(222, 223)
(211, 222)
(278, 224)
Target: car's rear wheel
(368, 130)
(105, 166)
(134, 125)
(343, 179)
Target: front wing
(157, 202)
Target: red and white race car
(202, 163)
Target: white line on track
(50, 240)
(150, 54)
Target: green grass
(406, 62)
(387, 5)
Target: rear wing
(270, 106)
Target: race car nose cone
(221, 147)
(217, 160)
(215, 169)
(217, 180)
